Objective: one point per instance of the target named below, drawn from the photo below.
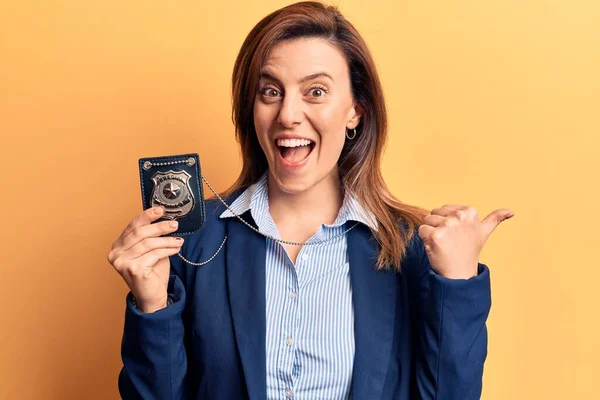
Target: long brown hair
(359, 163)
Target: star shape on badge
(171, 190)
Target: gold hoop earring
(353, 136)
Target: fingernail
(158, 210)
(173, 224)
(179, 239)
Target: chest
(309, 321)
(228, 304)
(292, 251)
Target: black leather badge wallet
(174, 183)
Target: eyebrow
(267, 75)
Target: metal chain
(191, 161)
(271, 237)
(199, 264)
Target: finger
(443, 211)
(153, 230)
(434, 220)
(151, 258)
(490, 222)
(144, 218)
(425, 232)
(454, 206)
(149, 244)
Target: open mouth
(295, 150)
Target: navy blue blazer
(417, 335)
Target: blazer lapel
(374, 298)
(245, 255)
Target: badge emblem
(172, 191)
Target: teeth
(293, 142)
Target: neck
(319, 204)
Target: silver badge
(172, 191)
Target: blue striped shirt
(309, 311)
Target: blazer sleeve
(449, 320)
(153, 350)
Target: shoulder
(213, 208)
(414, 244)
(415, 263)
(202, 244)
(213, 229)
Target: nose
(291, 112)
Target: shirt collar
(256, 199)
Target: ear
(355, 114)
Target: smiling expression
(303, 106)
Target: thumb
(490, 222)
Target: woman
(382, 301)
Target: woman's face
(302, 109)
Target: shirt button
(293, 295)
(289, 340)
(304, 257)
(288, 394)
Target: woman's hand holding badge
(454, 237)
(141, 256)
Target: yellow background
(491, 103)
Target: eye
(318, 91)
(269, 92)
